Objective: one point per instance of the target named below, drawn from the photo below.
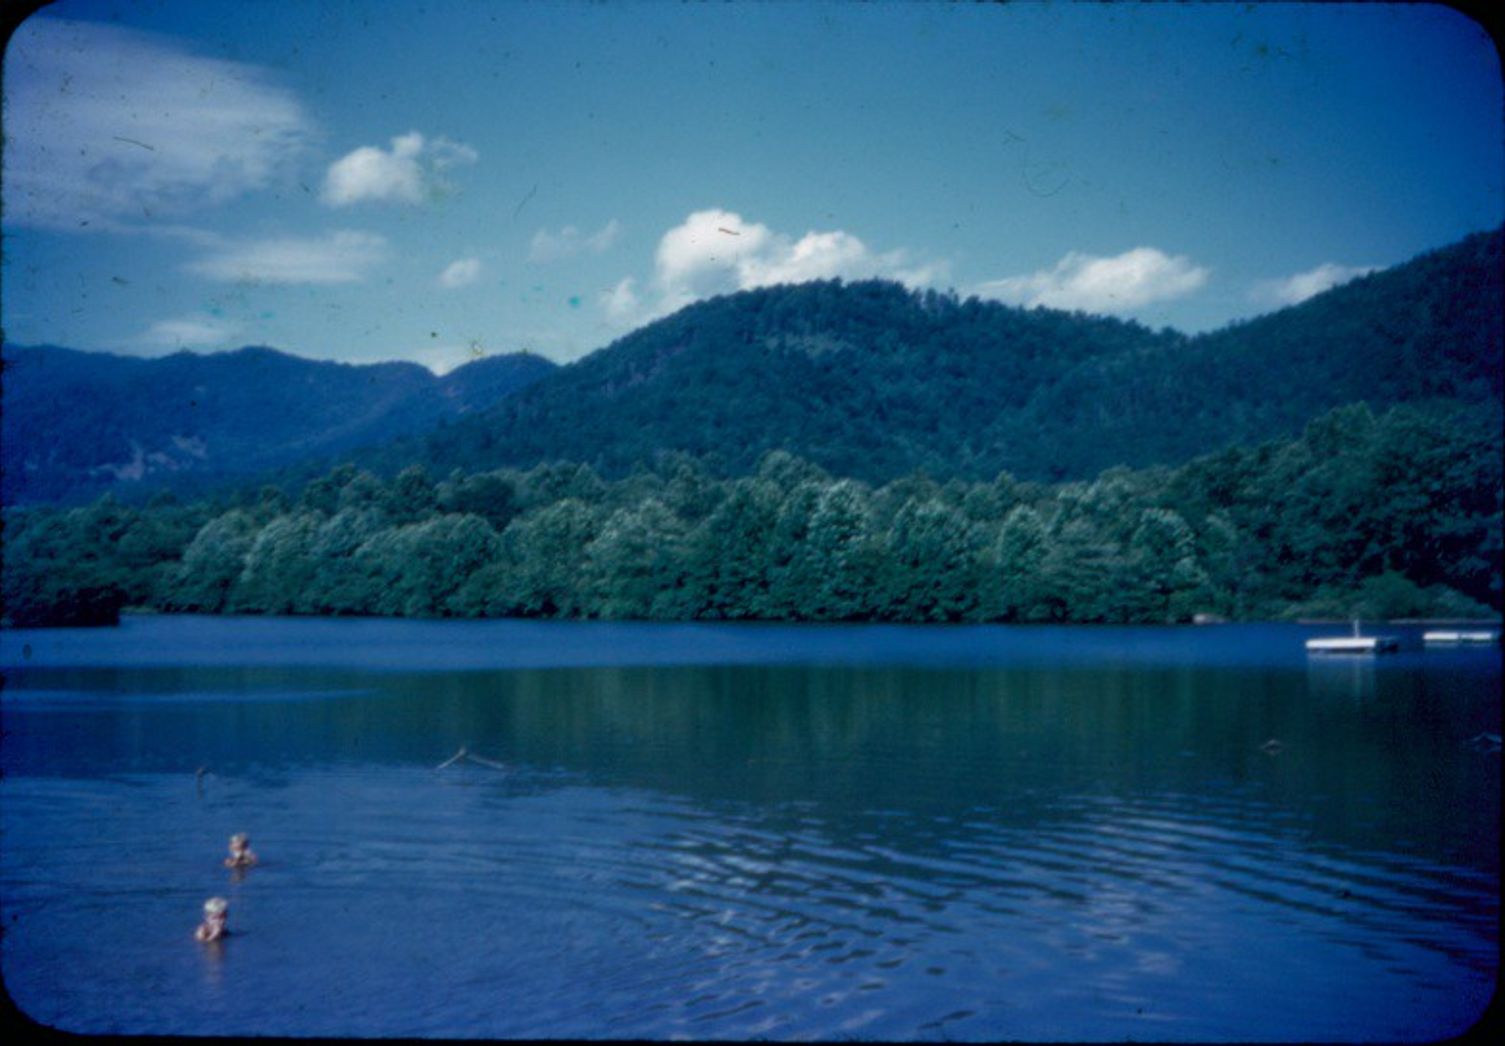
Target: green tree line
(1385, 516)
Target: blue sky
(363, 181)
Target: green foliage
(1082, 575)
(1016, 591)
(53, 601)
(279, 567)
(1388, 596)
(420, 569)
(341, 583)
(212, 563)
(57, 570)
(636, 562)
(836, 560)
(822, 452)
(931, 571)
(1375, 515)
(491, 495)
(412, 495)
(1163, 571)
(546, 552)
(726, 556)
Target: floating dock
(1353, 645)
(1475, 636)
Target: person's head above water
(213, 927)
(240, 851)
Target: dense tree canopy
(1390, 514)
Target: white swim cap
(216, 906)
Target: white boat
(1354, 644)
(1476, 636)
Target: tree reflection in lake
(1087, 848)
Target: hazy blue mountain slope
(866, 379)
(78, 423)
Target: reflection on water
(1340, 678)
(1030, 850)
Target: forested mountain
(955, 461)
(1430, 329)
(872, 381)
(867, 380)
(78, 423)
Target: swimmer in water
(213, 927)
(240, 852)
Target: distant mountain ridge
(78, 423)
(867, 379)
(871, 380)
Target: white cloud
(444, 153)
(602, 239)
(340, 257)
(368, 173)
(107, 126)
(716, 251)
(1107, 285)
(815, 256)
(710, 252)
(407, 173)
(460, 273)
(925, 274)
(186, 332)
(1292, 290)
(567, 242)
(621, 303)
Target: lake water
(701, 831)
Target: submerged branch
(465, 754)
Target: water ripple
(595, 909)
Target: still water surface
(739, 831)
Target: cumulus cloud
(567, 242)
(108, 126)
(460, 273)
(1292, 290)
(710, 252)
(621, 303)
(188, 332)
(814, 256)
(339, 257)
(716, 251)
(1116, 284)
(408, 172)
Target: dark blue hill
(871, 380)
(77, 423)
